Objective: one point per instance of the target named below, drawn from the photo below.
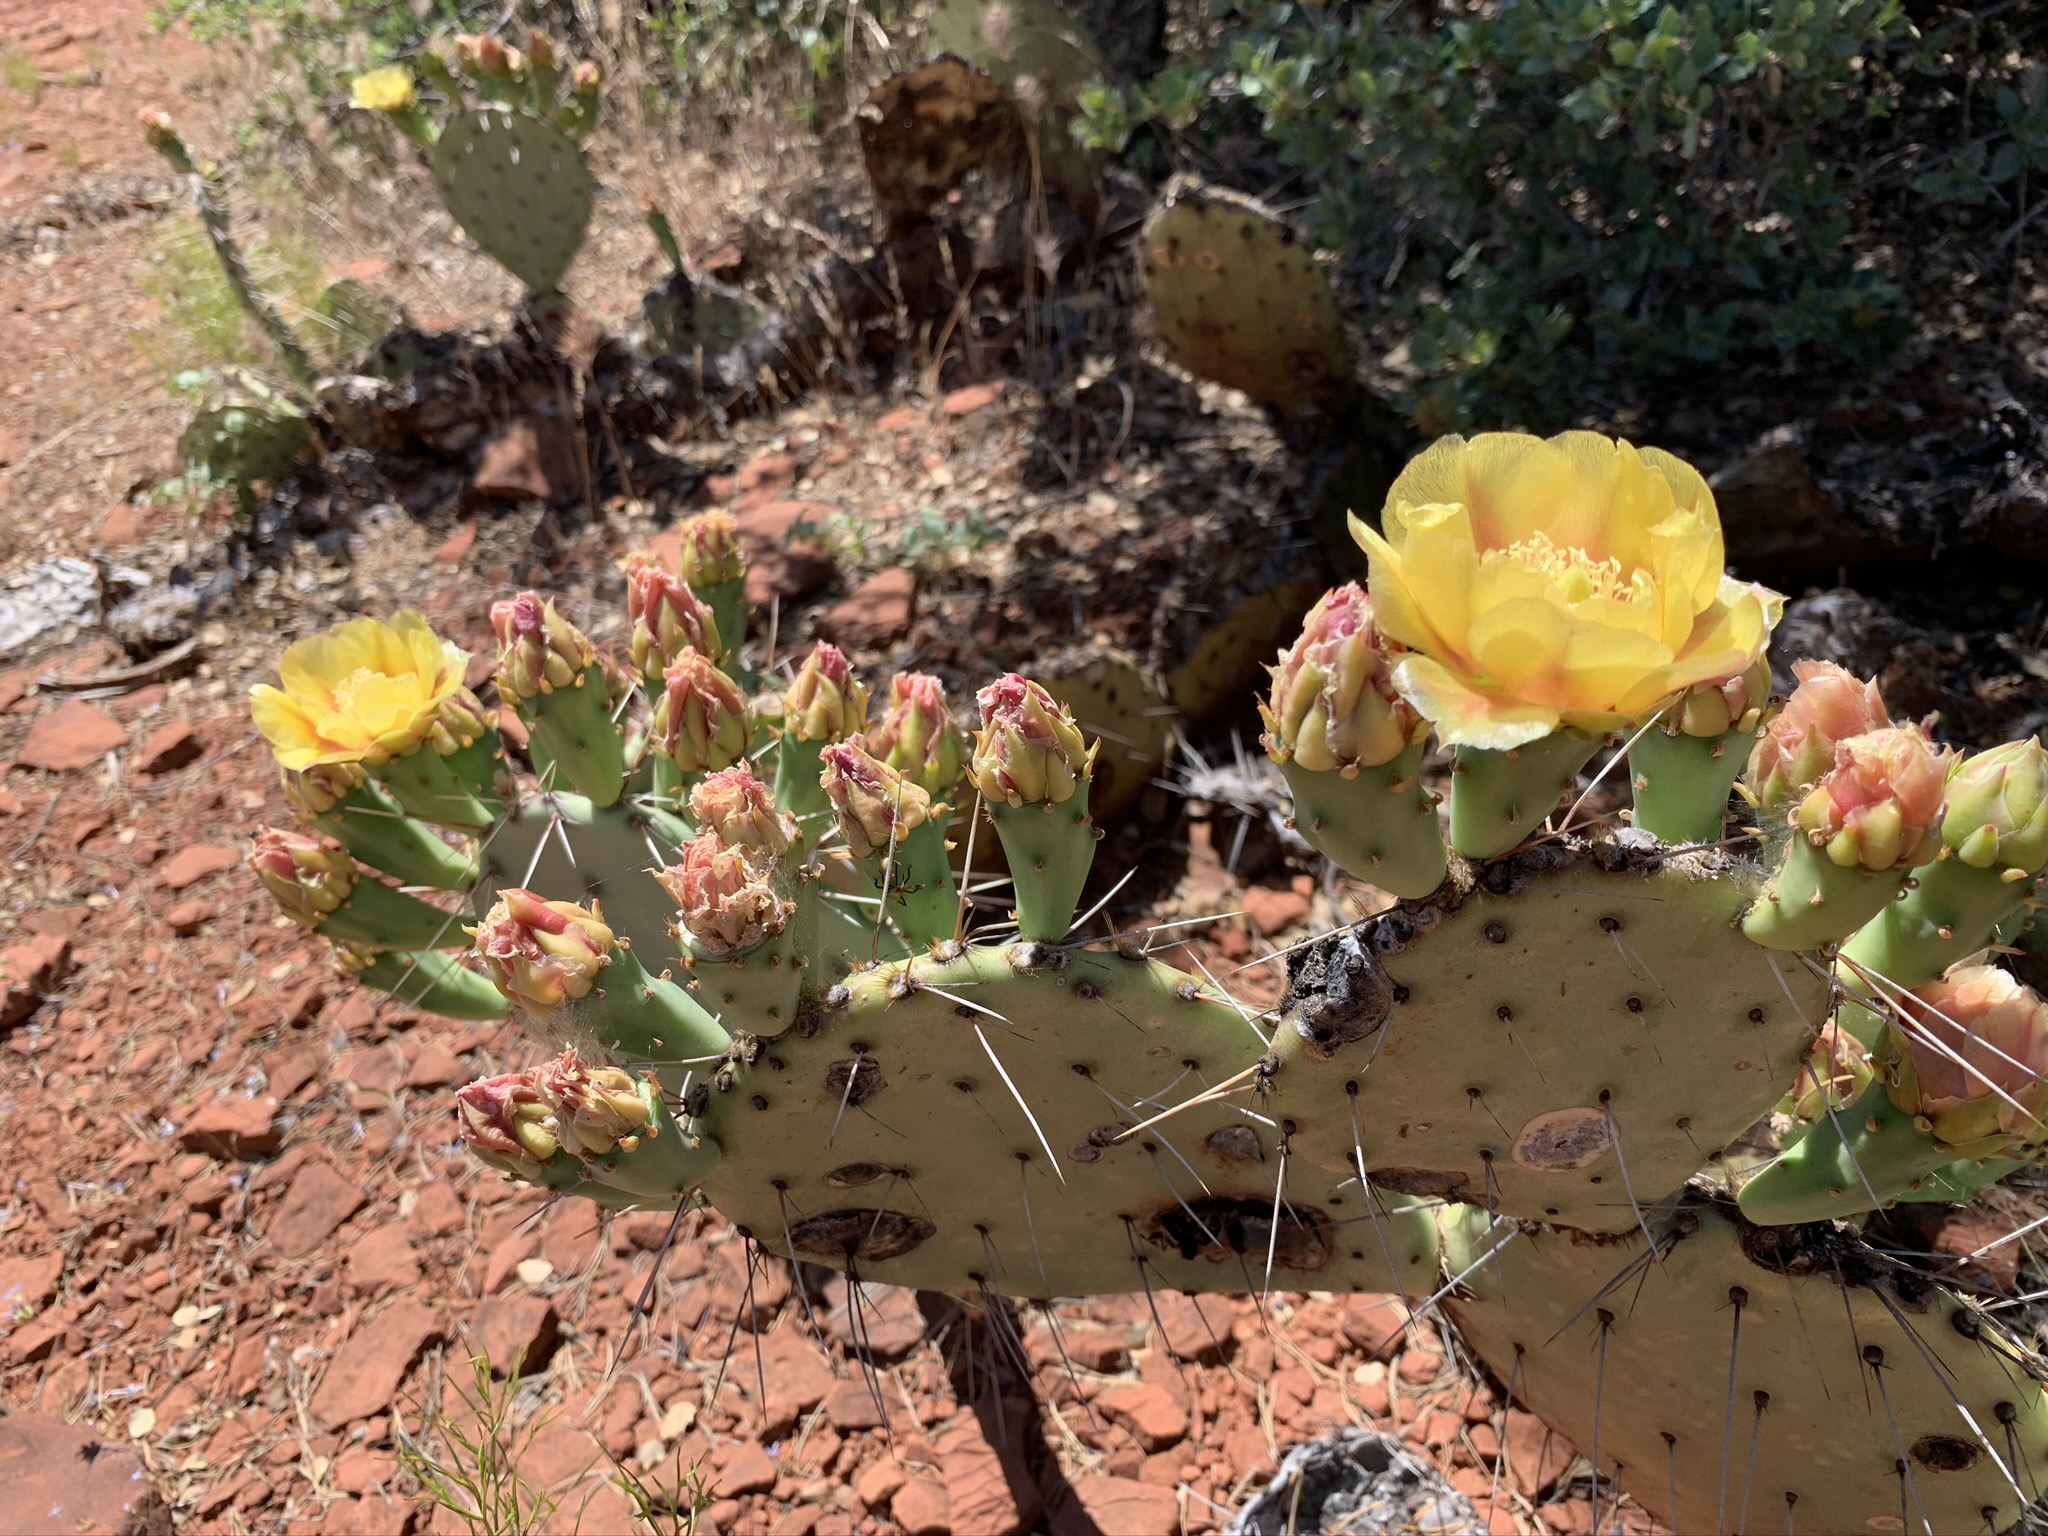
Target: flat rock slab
(63, 1478)
(73, 735)
(364, 1376)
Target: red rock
(120, 526)
(440, 1210)
(876, 1483)
(169, 747)
(27, 1284)
(1273, 911)
(1149, 1412)
(194, 863)
(975, 397)
(58, 1477)
(875, 613)
(363, 1377)
(515, 1333)
(320, 1199)
(13, 687)
(1375, 1324)
(10, 802)
(891, 1322)
(1536, 1456)
(767, 471)
(1095, 1503)
(558, 1455)
(850, 1406)
(436, 1068)
(1087, 1349)
(233, 1127)
(798, 1380)
(383, 1260)
(780, 562)
(375, 1515)
(1243, 1449)
(920, 1509)
(187, 917)
(36, 1339)
(989, 1489)
(529, 457)
(1196, 1328)
(451, 549)
(1419, 1367)
(359, 1469)
(29, 972)
(905, 418)
(749, 1471)
(73, 735)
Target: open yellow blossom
(364, 691)
(389, 89)
(1568, 582)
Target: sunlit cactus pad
(1759, 1378)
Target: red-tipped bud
(597, 1110)
(585, 78)
(542, 954)
(875, 805)
(740, 811)
(1976, 1043)
(538, 649)
(1028, 750)
(309, 876)
(701, 719)
(710, 551)
(1879, 806)
(540, 48)
(505, 1120)
(1828, 706)
(825, 701)
(1333, 704)
(727, 900)
(916, 734)
(491, 56)
(668, 617)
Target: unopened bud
(1333, 704)
(1028, 749)
(596, 1110)
(538, 649)
(542, 953)
(825, 701)
(1977, 1045)
(701, 721)
(1880, 805)
(459, 722)
(315, 791)
(727, 901)
(875, 805)
(740, 811)
(1997, 815)
(1828, 706)
(709, 552)
(309, 876)
(916, 734)
(1716, 708)
(585, 78)
(540, 48)
(668, 617)
(507, 1121)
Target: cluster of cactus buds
(742, 909)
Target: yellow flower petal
(1465, 716)
(364, 691)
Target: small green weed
(473, 1471)
(19, 73)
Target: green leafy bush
(1563, 198)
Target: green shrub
(1567, 199)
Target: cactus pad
(1501, 1033)
(519, 187)
(1240, 300)
(881, 1134)
(1862, 1395)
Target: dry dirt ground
(239, 1242)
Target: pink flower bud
(668, 617)
(1028, 749)
(1797, 747)
(1880, 804)
(916, 734)
(506, 1120)
(585, 78)
(309, 876)
(875, 805)
(542, 954)
(740, 811)
(1998, 1027)
(597, 1110)
(710, 551)
(825, 701)
(727, 901)
(1997, 814)
(1333, 704)
(538, 649)
(701, 719)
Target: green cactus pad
(1812, 900)
(1847, 1367)
(615, 850)
(1498, 799)
(519, 187)
(1240, 300)
(1681, 783)
(436, 982)
(1502, 1033)
(1380, 823)
(930, 1174)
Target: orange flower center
(1577, 574)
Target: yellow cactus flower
(363, 692)
(1570, 582)
(389, 89)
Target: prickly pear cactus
(740, 927)
(1239, 300)
(519, 187)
